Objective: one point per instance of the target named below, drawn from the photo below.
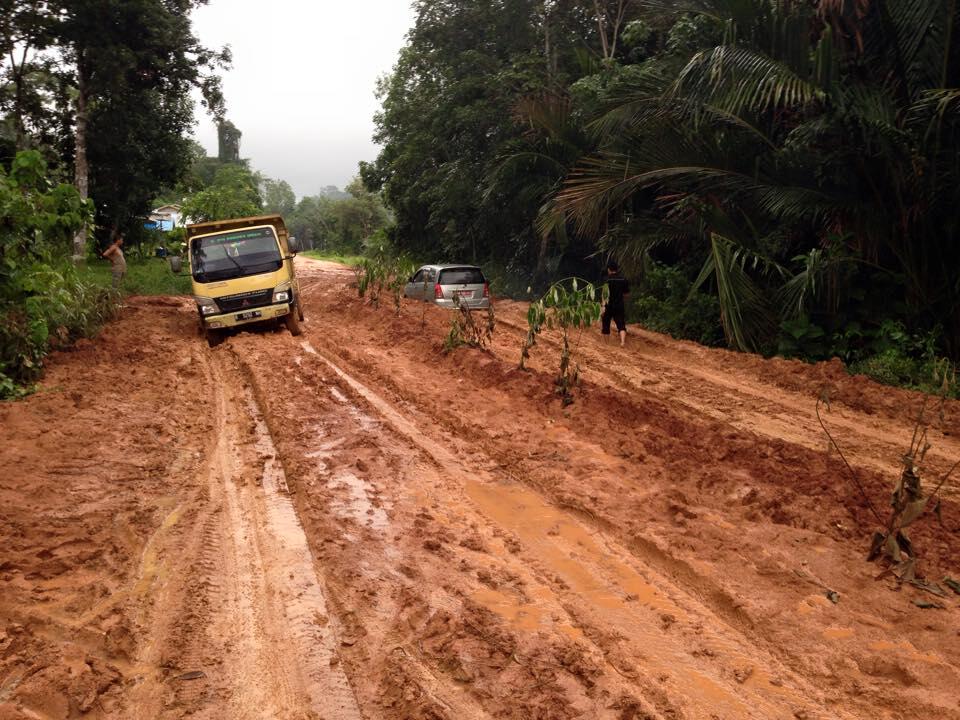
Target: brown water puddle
(835, 633)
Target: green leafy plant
(567, 305)
(44, 301)
(382, 273)
(465, 330)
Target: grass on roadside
(151, 276)
(351, 260)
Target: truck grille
(242, 301)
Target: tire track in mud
(234, 630)
(601, 591)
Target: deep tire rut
(243, 629)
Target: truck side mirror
(176, 264)
(293, 244)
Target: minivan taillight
(437, 292)
(486, 290)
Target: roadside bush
(44, 302)
(662, 302)
(56, 308)
(897, 357)
(888, 354)
(465, 330)
(381, 272)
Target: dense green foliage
(334, 221)
(97, 91)
(788, 168)
(451, 119)
(44, 302)
(234, 192)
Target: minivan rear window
(461, 276)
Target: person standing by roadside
(615, 309)
(118, 264)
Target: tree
(446, 111)
(811, 163)
(228, 142)
(341, 221)
(278, 197)
(234, 193)
(133, 64)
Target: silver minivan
(440, 284)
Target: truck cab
(242, 271)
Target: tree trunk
(540, 271)
(81, 170)
(18, 72)
(602, 27)
(547, 47)
(609, 22)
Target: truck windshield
(235, 254)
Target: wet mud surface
(353, 524)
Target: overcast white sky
(301, 88)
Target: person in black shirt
(615, 309)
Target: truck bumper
(247, 316)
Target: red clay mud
(354, 524)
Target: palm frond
(796, 294)
(738, 79)
(922, 43)
(743, 309)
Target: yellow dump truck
(242, 272)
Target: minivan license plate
(465, 293)
(248, 315)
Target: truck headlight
(206, 306)
(281, 293)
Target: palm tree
(807, 123)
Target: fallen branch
(853, 475)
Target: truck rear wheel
(292, 322)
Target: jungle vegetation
(780, 176)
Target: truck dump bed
(205, 228)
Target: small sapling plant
(466, 330)
(909, 501)
(567, 305)
(380, 273)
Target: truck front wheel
(214, 337)
(292, 321)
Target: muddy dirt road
(351, 524)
